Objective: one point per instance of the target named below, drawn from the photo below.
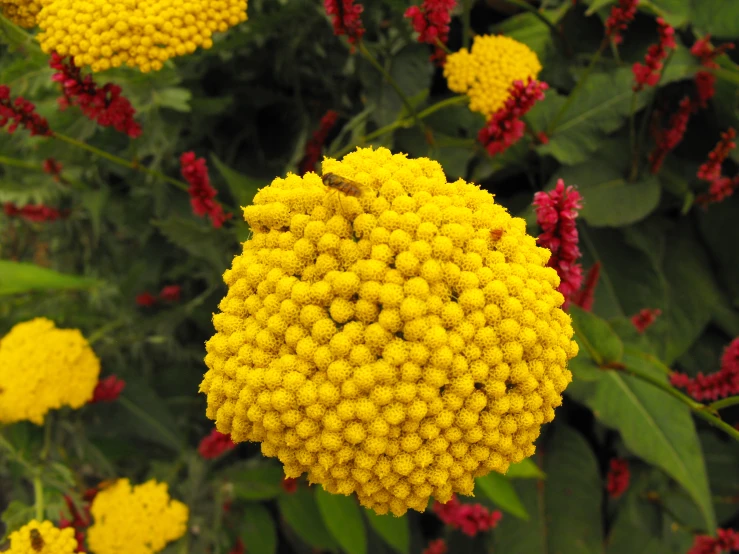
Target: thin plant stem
(443, 46)
(12, 162)
(104, 330)
(632, 126)
(38, 497)
(467, 23)
(47, 437)
(724, 403)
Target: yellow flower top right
(487, 72)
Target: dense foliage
(121, 213)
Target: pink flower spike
(214, 445)
(471, 519)
(619, 20)
(437, 546)
(345, 17)
(170, 293)
(618, 477)
(645, 318)
(667, 139)
(21, 113)
(723, 383)
(727, 540)
(108, 389)
(711, 169)
(202, 194)
(586, 295)
(431, 22)
(649, 73)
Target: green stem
(104, 330)
(38, 496)
(467, 23)
(580, 83)
(443, 46)
(404, 122)
(47, 438)
(632, 134)
(12, 162)
(724, 403)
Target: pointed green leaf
(500, 491)
(258, 530)
(525, 469)
(393, 530)
(301, 514)
(255, 480)
(19, 277)
(243, 188)
(343, 519)
(596, 337)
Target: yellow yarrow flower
(43, 368)
(139, 33)
(393, 345)
(487, 72)
(21, 12)
(45, 535)
(135, 520)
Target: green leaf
(174, 98)
(529, 30)
(199, 240)
(654, 425)
(152, 419)
(16, 515)
(258, 530)
(501, 492)
(301, 514)
(243, 188)
(394, 530)
(596, 336)
(675, 12)
(609, 200)
(255, 479)
(343, 519)
(525, 469)
(19, 277)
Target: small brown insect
(495, 234)
(343, 185)
(37, 541)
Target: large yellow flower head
(43, 368)
(393, 345)
(487, 72)
(138, 33)
(21, 12)
(135, 520)
(42, 538)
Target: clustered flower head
(720, 186)
(618, 478)
(667, 139)
(723, 383)
(648, 73)
(51, 539)
(389, 344)
(621, 15)
(21, 12)
(488, 71)
(102, 104)
(506, 127)
(137, 33)
(43, 368)
(315, 145)
(108, 389)
(726, 541)
(135, 520)
(556, 212)
(346, 18)
(35, 213)
(202, 194)
(215, 444)
(471, 519)
(705, 81)
(21, 113)
(645, 318)
(431, 21)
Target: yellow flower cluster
(43, 368)
(21, 12)
(42, 538)
(393, 345)
(135, 520)
(487, 72)
(138, 33)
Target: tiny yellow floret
(21, 12)
(45, 535)
(43, 368)
(486, 72)
(135, 520)
(424, 354)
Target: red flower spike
(145, 300)
(505, 127)
(315, 145)
(556, 212)
(431, 22)
(170, 293)
(53, 168)
(727, 540)
(585, 296)
(105, 105)
(437, 546)
(202, 194)
(705, 81)
(619, 20)
(214, 445)
(289, 485)
(345, 17)
(645, 318)
(648, 74)
(471, 519)
(108, 389)
(79, 522)
(667, 139)
(21, 113)
(33, 213)
(720, 190)
(723, 383)
(711, 169)
(238, 547)
(618, 477)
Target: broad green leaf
(717, 17)
(16, 515)
(301, 514)
(500, 491)
(654, 425)
(243, 188)
(609, 200)
(565, 509)
(393, 530)
(720, 237)
(722, 460)
(19, 277)
(343, 519)
(675, 12)
(596, 336)
(596, 5)
(258, 530)
(255, 480)
(174, 98)
(525, 469)
(199, 239)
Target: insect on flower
(496, 234)
(344, 186)
(37, 541)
